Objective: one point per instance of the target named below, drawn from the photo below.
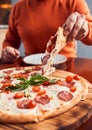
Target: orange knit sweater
(34, 21)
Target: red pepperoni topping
(19, 68)
(6, 80)
(45, 59)
(26, 104)
(23, 103)
(42, 99)
(6, 83)
(64, 95)
(8, 71)
(69, 85)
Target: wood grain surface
(70, 120)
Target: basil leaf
(38, 79)
(53, 81)
(11, 88)
(34, 80)
(22, 79)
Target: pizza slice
(60, 42)
(57, 42)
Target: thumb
(17, 53)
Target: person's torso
(38, 21)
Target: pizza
(26, 95)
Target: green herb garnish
(36, 79)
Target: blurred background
(5, 7)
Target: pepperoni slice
(19, 68)
(8, 71)
(6, 80)
(23, 104)
(69, 85)
(6, 83)
(45, 59)
(65, 95)
(42, 99)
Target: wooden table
(80, 66)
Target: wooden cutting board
(70, 120)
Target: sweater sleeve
(81, 7)
(12, 37)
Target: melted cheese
(60, 43)
(54, 103)
(9, 105)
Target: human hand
(9, 54)
(76, 27)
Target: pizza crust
(60, 110)
(17, 118)
(85, 85)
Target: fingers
(17, 53)
(10, 54)
(70, 22)
(75, 27)
(82, 33)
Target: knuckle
(77, 26)
(72, 20)
(83, 16)
(68, 29)
(76, 13)
(83, 30)
(72, 36)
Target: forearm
(10, 42)
(12, 37)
